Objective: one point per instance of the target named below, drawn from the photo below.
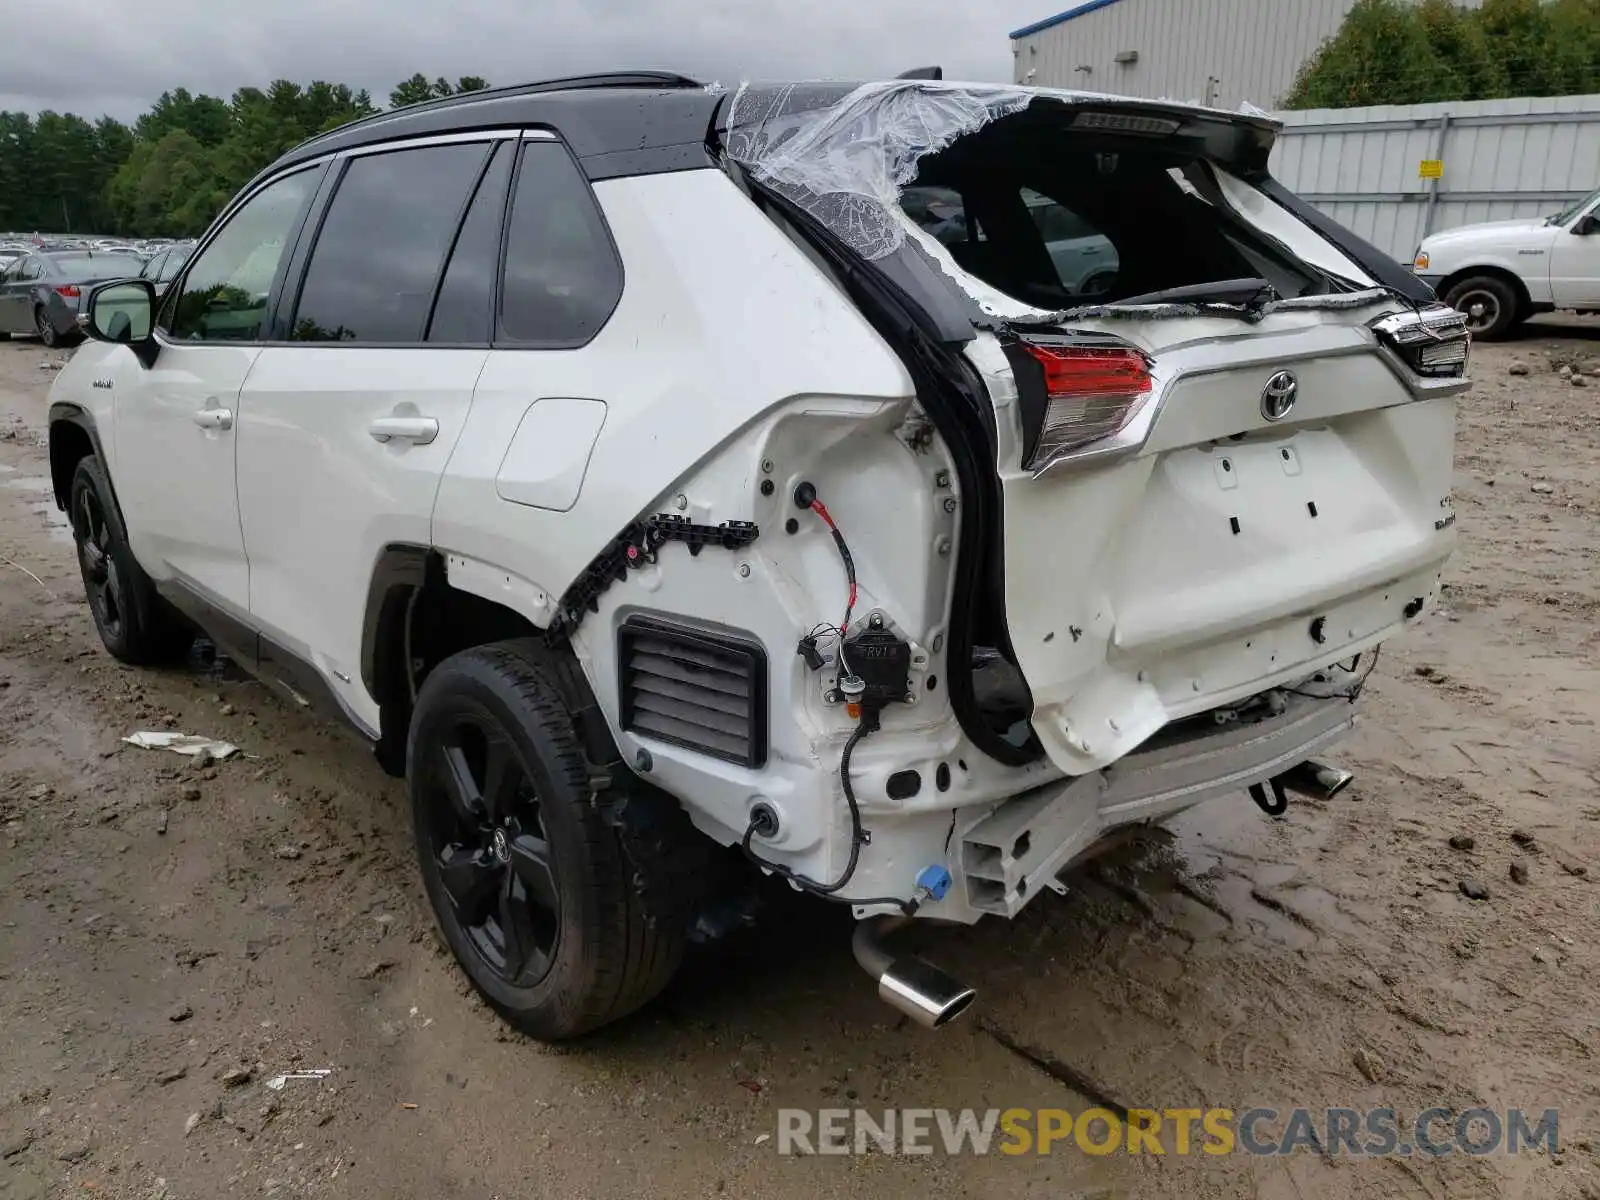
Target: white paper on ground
(181, 743)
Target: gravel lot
(170, 938)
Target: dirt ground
(164, 929)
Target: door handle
(419, 430)
(214, 418)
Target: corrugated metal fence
(1367, 167)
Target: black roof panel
(597, 115)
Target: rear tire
(136, 625)
(1489, 303)
(566, 908)
(46, 328)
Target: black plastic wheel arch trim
(75, 414)
(399, 571)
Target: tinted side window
(32, 268)
(562, 277)
(373, 270)
(153, 268)
(464, 311)
(224, 297)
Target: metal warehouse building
(1220, 52)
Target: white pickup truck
(1502, 272)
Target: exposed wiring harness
(1353, 691)
(817, 506)
(867, 725)
(858, 837)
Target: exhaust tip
(1334, 780)
(1317, 780)
(924, 993)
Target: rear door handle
(420, 430)
(214, 418)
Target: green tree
(204, 118)
(1458, 38)
(412, 91)
(1381, 55)
(1399, 52)
(1572, 47)
(181, 160)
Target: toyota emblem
(1278, 397)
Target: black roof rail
(922, 73)
(610, 79)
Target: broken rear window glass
(1053, 199)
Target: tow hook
(1274, 805)
(1316, 780)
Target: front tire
(135, 624)
(563, 911)
(1489, 303)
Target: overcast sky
(117, 58)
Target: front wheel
(135, 624)
(565, 908)
(1489, 304)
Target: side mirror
(1587, 224)
(123, 313)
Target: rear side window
(377, 259)
(562, 276)
(464, 311)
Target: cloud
(119, 66)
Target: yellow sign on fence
(1431, 168)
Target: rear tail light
(1091, 393)
(1432, 342)
(71, 291)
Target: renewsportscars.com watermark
(1265, 1132)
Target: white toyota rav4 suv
(1502, 272)
(621, 458)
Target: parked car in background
(164, 265)
(40, 291)
(1084, 260)
(1500, 273)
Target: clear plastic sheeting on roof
(846, 164)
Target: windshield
(1566, 214)
(81, 266)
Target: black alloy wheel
(485, 831)
(567, 901)
(102, 581)
(135, 623)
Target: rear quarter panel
(721, 319)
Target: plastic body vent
(701, 689)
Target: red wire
(821, 509)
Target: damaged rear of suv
(948, 478)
